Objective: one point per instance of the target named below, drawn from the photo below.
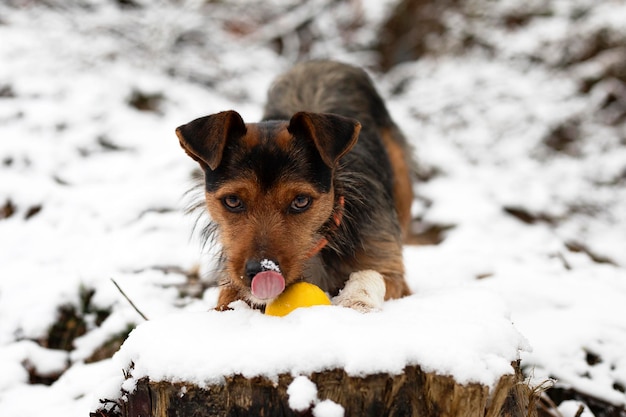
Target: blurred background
(516, 109)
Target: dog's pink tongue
(267, 285)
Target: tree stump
(412, 393)
(442, 354)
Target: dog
(319, 190)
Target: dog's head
(269, 189)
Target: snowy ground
(524, 169)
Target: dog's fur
(321, 186)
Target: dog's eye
(233, 203)
(300, 203)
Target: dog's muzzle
(266, 280)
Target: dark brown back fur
(372, 232)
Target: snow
(97, 189)
(302, 392)
(406, 332)
(269, 265)
(570, 408)
(328, 408)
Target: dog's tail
(326, 87)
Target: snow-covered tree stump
(440, 355)
(413, 393)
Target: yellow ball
(300, 294)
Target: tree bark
(412, 393)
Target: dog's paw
(364, 292)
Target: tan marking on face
(251, 138)
(280, 136)
(267, 228)
(283, 138)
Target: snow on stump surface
(439, 354)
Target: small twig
(129, 300)
(579, 413)
(548, 406)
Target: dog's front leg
(227, 295)
(364, 291)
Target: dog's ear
(333, 135)
(204, 139)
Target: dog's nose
(253, 267)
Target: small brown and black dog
(320, 190)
